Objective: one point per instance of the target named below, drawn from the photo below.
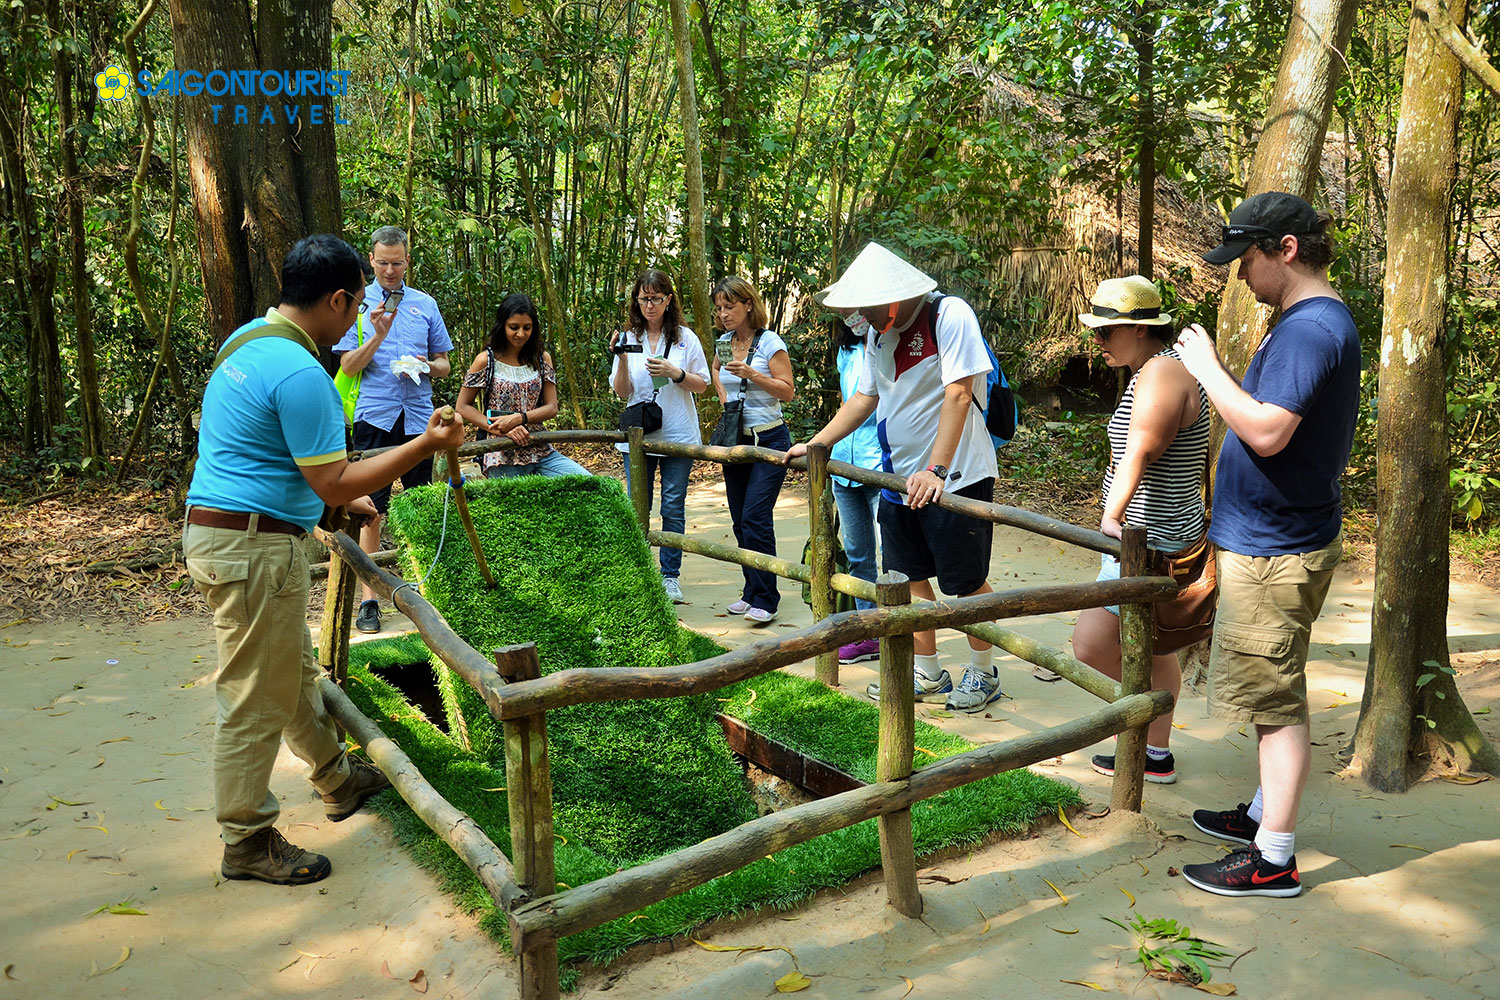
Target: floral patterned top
(515, 388)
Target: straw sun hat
(1120, 301)
(876, 277)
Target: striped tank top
(1169, 500)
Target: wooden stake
(639, 485)
(822, 533)
(456, 482)
(898, 724)
(528, 785)
(1135, 675)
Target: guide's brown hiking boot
(268, 856)
(365, 780)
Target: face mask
(857, 324)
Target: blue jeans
(858, 505)
(752, 489)
(674, 482)
(554, 463)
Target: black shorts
(368, 436)
(934, 542)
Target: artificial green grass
(631, 780)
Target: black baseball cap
(1271, 213)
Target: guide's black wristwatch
(941, 471)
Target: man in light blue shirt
(393, 407)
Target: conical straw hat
(876, 277)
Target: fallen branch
(150, 561)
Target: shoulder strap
(489, 377)
(750, 356)
(269, 330)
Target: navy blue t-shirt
(1289, 502)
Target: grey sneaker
(266, 855)
(365, 780)
(673, 589)
(921, 684)
(369, 617)
(977, 689)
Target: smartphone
(724, 350)
(393, 299)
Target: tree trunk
(1288, 151)
(1409, 689)
(257, 188)
(1144, 41)
(90, 410)
(692, 166)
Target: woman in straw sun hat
(1158, 443)
(925, 363)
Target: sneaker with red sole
(1231, 824)
(1246, 872)
(1161, 772)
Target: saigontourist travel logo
(251, 96)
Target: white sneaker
(759, 616)
(977, 689)
(739, 607)
(921, 684)
(673, 589)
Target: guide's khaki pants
(257, 583)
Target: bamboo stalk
(578, 686)
(1135, 675)
(898, 734)
(457, 830)
(821, 532)
(456, 484)
(465, 661)
(623, 892)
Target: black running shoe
(1162, 772)
(1245, 873)
(1231, 824)
(369, 617)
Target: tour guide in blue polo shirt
(270, 455)
(392, 408)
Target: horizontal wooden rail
(465, 660)
(1028, 649)
(730, 553)
(389, 557)
(457, 830)
(503, 443)
(615, 895)
(580, 685)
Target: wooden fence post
(1135, 674)
(898, 858)
(528, 787)
(640, 485)
(821, 534)
(338, 618)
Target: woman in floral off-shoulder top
(522, 393)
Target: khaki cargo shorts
(1267, 604)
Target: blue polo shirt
(417, 330)
(267, 410)
(1289, 502)
(862, 448)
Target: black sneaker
(1246, 873)
(1161, 772)
(1231, 824)
(369, 617)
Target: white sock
(927, 666)
(1157, 753)
(1257, 804)
(1277, 848)
(983, 659)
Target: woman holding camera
(752, 371)
(659, 360)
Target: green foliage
(631, 780)
(1178, 951)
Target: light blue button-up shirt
(861, 448)
(417, 330)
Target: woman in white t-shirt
(751, 364)
(659, 359)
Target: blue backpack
(1002, 416)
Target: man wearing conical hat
(925, 381)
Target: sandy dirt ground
(105, 798)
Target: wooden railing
(524, 886)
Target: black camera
(623, 348)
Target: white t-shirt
(908, 369)
(760, 406)
(679, 410)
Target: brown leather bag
(1188, 617)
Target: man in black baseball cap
(1277, 520)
